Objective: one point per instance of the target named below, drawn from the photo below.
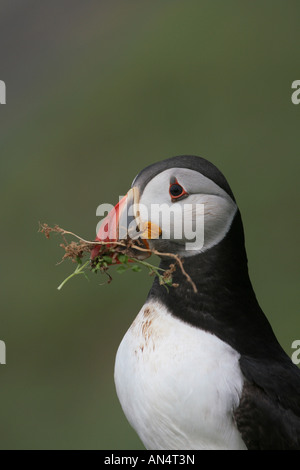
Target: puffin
(200, 367)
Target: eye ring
(176, 191)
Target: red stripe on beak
(109, 229)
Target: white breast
(178, 385)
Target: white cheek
(210, 214)
(197, 222)
(207, 219)
(218, 216)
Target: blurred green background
(95, 92)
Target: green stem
(79, 270)
(148, 265)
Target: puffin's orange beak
(109, 229)
(121, 223)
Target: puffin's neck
(225, 303)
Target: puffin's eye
(176, 190)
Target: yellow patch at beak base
(151, 231)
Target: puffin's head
(182, 205)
